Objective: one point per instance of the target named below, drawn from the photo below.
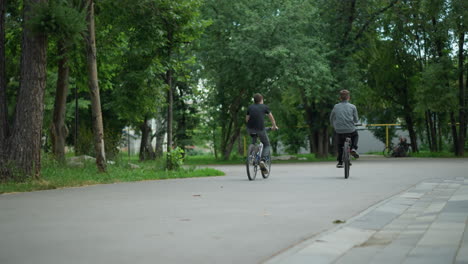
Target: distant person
(343, 118)
(401, 150)
(256, 125)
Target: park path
(203, 220)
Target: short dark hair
(344, 95)
(257, 98)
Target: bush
(175, 159)
(85, 142)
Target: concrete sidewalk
(426, 224)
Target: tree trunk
(453, 124)
(334, 144)
(428, 129)
(77, 115)
(439, 132)
(146, 150)
(98, 129)
(160, 133)
(23, 148)
(309, 116)
(230, 144)
(320, 144)
(58, 129)
(231, 127)
(240, 146)
(215, 144)
(311, 143)
(4, 126)
(170, 102)
(462, 102)
(432, 124)
(326, 142)
(466, 100)
(412, 132)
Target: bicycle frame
(254, 157)
(258, 153)
(346, 156)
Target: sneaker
(339, 165)
(355, 153)
(263, 166)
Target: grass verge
(59, 176)
(427, 154)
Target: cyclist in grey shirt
(343, 118)
(255, 125)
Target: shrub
(175, 159)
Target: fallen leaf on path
(338, 221)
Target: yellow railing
(386, 130)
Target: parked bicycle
(402, 149)
(254, 157)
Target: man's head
(344, 95)
(258, 98)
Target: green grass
(428, 154)
(58, 176)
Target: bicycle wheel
(346, 161)
(268, 165)
(251, 165)
(387, 152)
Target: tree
(66, 28)
(181, 25)
(460, 13)
(304, 70)
(98, 129)
(151, 60)
(22, 156)
(3, 96)
(235, 62)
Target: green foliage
(433, 84)
(112, 140)
(252, 46)
(397, 62)
(175, 159)
(58, 18)
(85, 144)
(145, 52)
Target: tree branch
(372, 19)
(350, 23)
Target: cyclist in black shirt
(256, 125)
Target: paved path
(220, 219)
(427, 224)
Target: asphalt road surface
(202, 220)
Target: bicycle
(254, 158)
(401, 150)
(346, 155)
(387, 152)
